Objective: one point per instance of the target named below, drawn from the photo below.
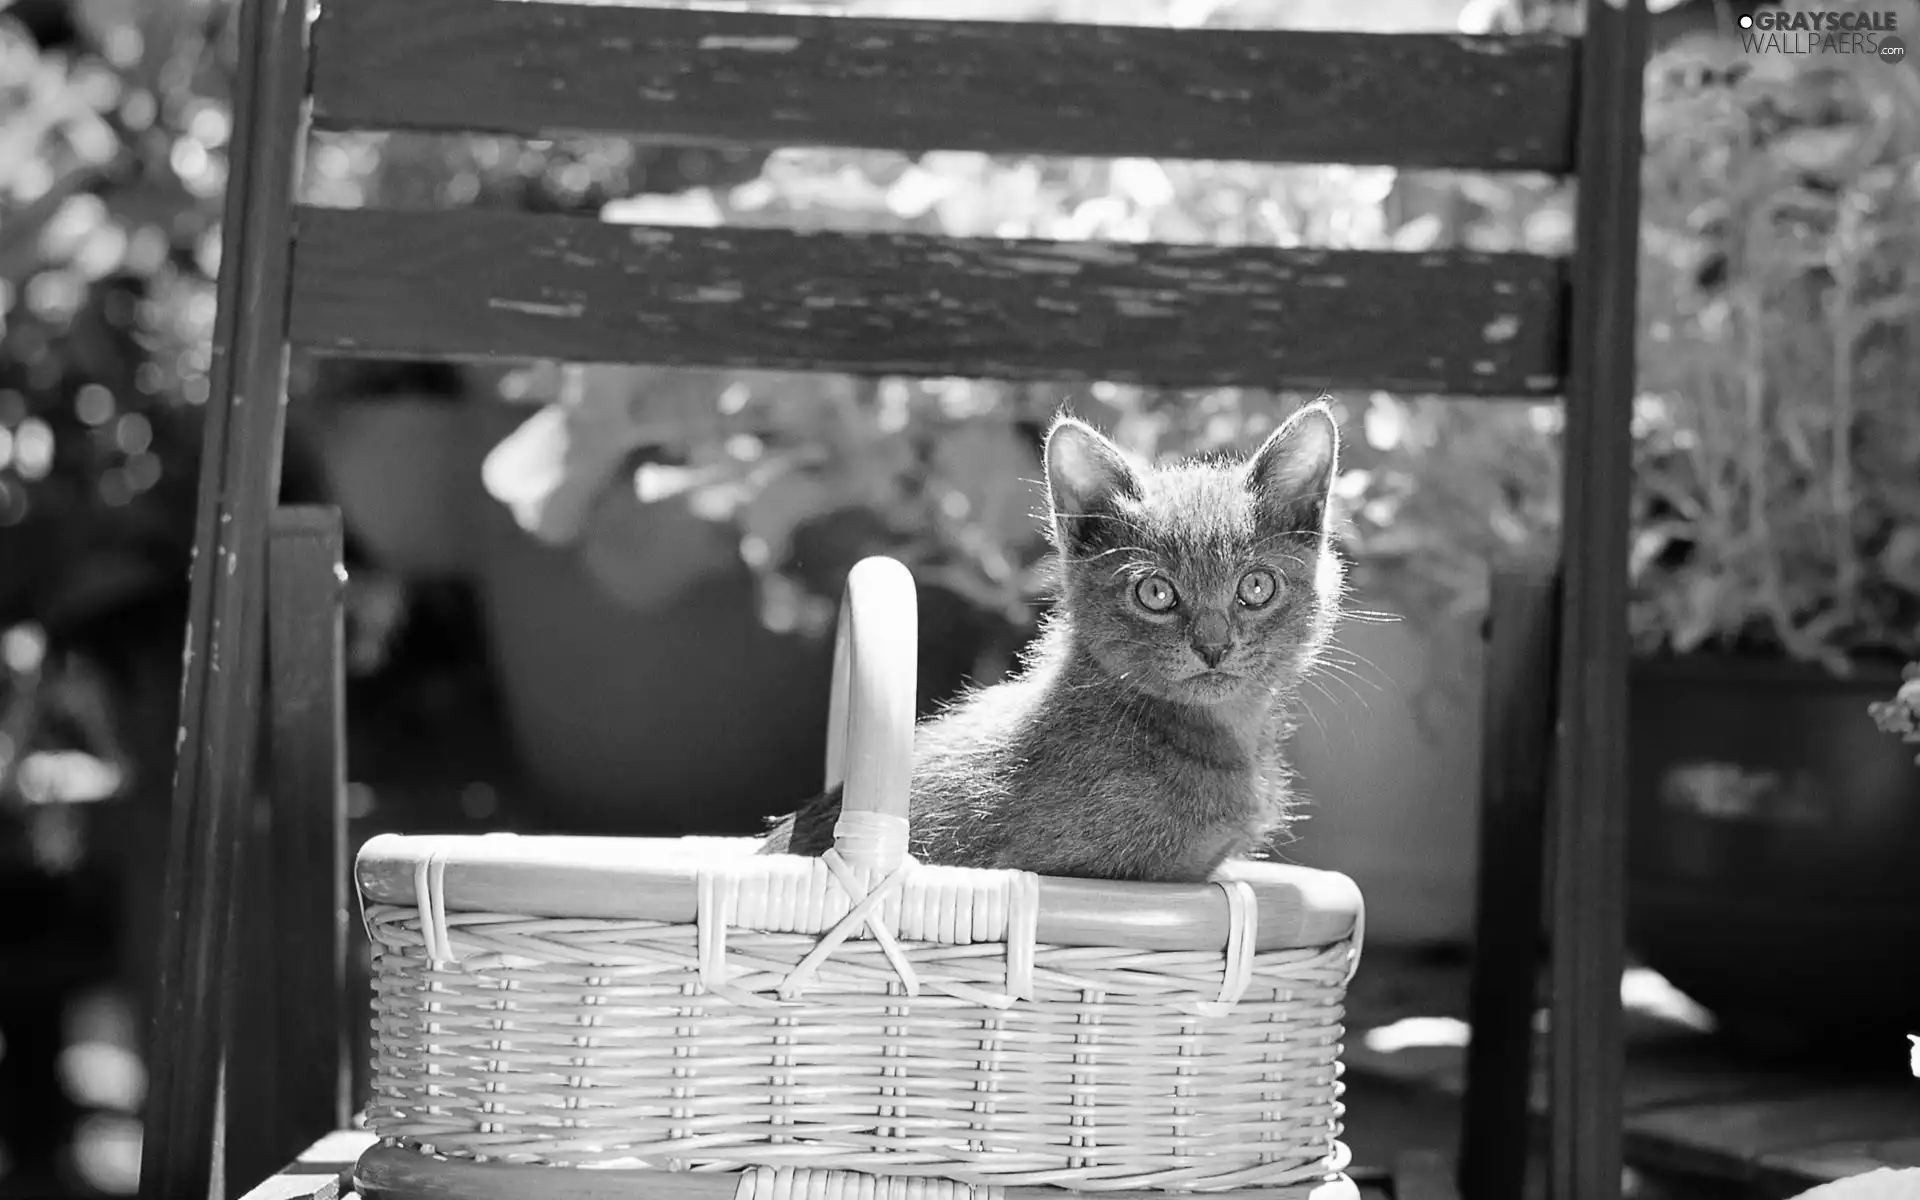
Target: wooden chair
(246, 1058)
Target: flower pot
(1774, 862)
(1388, 758)
(665, 710)
(402, 469)
(653, 702)
(644, 694)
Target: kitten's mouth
(1213, 684)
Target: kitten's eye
(1155, 594)
(1257, 587)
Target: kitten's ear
(1086, 474)
(1293, 472)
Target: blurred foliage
(110, 179)
(113, 131)
(1777, 505)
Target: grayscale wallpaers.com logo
(1851, 32)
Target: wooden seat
(255, 898)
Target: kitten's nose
(1212, 637)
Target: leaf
(528, 472)
(1142, 181)
(1901, 558)
(1421, 233)
(693, 208)
(787, 502)
(1648, 545)
(549, 471)
(917, 190)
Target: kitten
(1141, 739)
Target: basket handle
(870, 721)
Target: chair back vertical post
(224, 651)
(1590, 794)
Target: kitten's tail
(808, 830)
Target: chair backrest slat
(537, 69)
(490, 285)
(474, 284)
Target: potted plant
(1776, 551)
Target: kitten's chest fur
(1080, 780)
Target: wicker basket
(852, 1025)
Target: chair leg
(1519, 703)
(286, 1054)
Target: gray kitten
(1141, 738)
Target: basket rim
(657, 879)
(386, 1169)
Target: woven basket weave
(853, 1025)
